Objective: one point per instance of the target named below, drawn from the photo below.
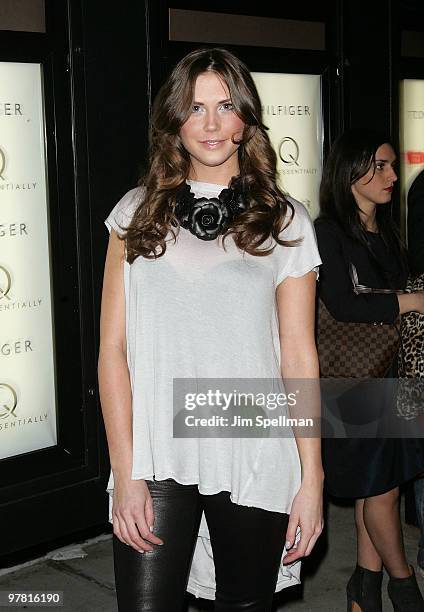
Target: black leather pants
(247, 545)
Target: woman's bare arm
(299, 360)
(114, 380)
(132, 506)
(411, 302)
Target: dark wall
(368, 65)
(113, 45)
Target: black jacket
(335, 287)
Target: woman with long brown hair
(210, 274)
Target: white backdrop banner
(292, 110)
(411, 136)
(27, 372)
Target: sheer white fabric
(201, 311)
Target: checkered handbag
(355, 350)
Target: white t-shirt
(200, 311)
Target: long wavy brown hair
(154, 220)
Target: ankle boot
(405, 594)
(364, 591)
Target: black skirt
(357, 467)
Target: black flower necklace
(207, 218)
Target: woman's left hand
(306, 513)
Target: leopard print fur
(410, 400)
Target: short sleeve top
(202, 311)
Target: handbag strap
(359, 289)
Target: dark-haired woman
(355, 228)
(210, 273)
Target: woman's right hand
(132, 515)
(411, 302)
